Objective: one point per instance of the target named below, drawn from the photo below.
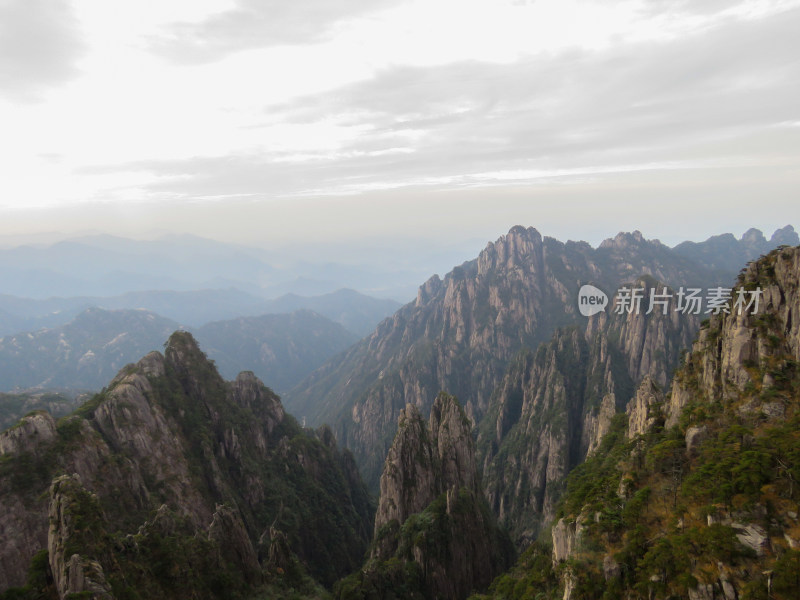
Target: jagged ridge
(170, 432)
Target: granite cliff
(553, 407)
(434, 535)
(693, 493)
(462, 332)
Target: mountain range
(356, 312)
(462, 331)
(105, 265)
(517, 448)
(85, 353)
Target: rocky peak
(431, 511)
(228, 531)
(428, 290)
(73, 516)
(462, 333)
(785, 236)
(248, 391)
(409, 481)
(746, 350)
(425, 460)
(754, 237)
(517, 246)
(624, 240)
(451, 434)
(32, 430)
(168, 432)
(183, 351)
(196, 372)
(644, 409)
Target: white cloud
(40, 44)
(239, 101)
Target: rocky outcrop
(229, 535)
(695, 436)
(644, 409)
(31, 431)
(74, 516)
(426, 460)
(596, 427)
(566, 539)
(745, 349)
(410, 479)
(431, 512)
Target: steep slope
(434, 535)
(281, 349)
(462, 331)
(553, 406)
(700, 497)
(209, 473)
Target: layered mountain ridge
(88, 351)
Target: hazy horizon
(369, 125)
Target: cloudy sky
(270, 121)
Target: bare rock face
(737, 351)
(74, 573)
(644, 409)
(650, 338)
(426, 461)
(463, 331)
(235, 547)
(25, 436)
(410, 479)
(694, 437)
(431, 511)
(552, 409)
(566, 539)
(599, 425)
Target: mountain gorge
(553, 406)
